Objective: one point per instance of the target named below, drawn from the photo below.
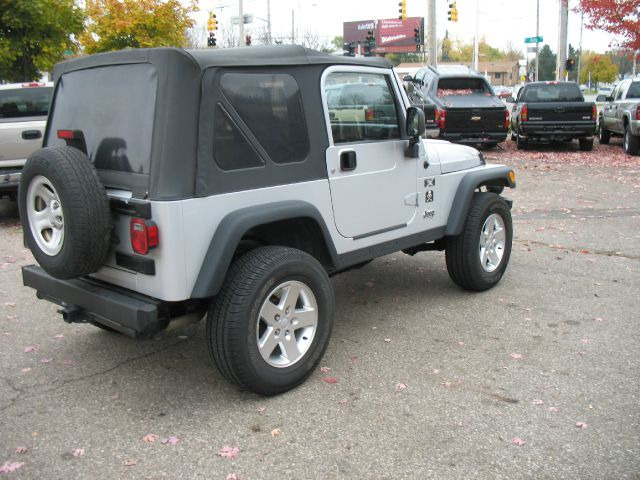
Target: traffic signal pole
(241, 39)
(432, 39)
(562, 40)
(537, 43)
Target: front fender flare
(466, 188)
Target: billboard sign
(392, 35)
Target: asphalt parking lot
(537, 378)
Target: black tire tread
(633, 143)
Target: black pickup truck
(467, 110)
(553, 112)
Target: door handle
(31, 134)
(348, 161)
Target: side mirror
(415, 129)
(407, 78)
(601, 98)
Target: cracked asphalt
(553, 346)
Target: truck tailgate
(559, 111)
(475, 120)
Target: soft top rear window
(114, 107)
(552, 92)
(455, 86)
(25, 102)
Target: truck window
(634, 90)
(456, 86)
(552, 92)
(25, 102)
(361, 107)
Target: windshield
(456, 86)
(553, 92)
(25, 102)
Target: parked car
(620, 115)
(23, 115)
(417, 98)
(217, 183)
(503, 93)
(553, 111)
(467, 111)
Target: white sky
(500, 20)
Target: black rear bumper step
(87, 299)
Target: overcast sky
(500, 20)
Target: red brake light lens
(441, 118)
(66, 134)
(506, 119)
(369, 115)
(144, 235)
(638, 112)
(524, 113)
(594, 112)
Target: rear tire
(631, 142)
(270, 324)
(586, 145)
(478, 256)
(64, 212)
(603, 134)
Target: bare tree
(228, 36)
(196, 37)
(311, 39)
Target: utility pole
(268, 22)
(432, 42)
(475, 38)
(537, 36)
(580, 47)
(240, 24)
(562, 40)
(635, 56)
(293, 26)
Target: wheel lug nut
(278, 332)
(277, 318)
(287, 311)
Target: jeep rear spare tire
(64, 212)
(270, 324)
(478, 257)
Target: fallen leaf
(228, 452)
(46, 360)
(585, 340)
(401, 386)
(150, 438)
(78, 452)
(9, 304)
(552, 409)
(68, 362)
(387, 340)
(9, 467)
(26, 369)
(171, 440)
(517, 356)
(130, 463)
(537, 402)
(581, 425)
(30, 348)
(233, 476)
(330, 380)
(518, 441)
(58, 336)
(261, 409)
(183, 337)
(460, 343)
(446, 384)
(325, 369)
(276, 432)
(435, 371)
(344, 401)
(21, 450)
(370, 284)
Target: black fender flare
(230, 231)
(499, 176)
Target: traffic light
(247, 40)
(212, 22)
(568, 66)
(369, 44)
(403, 10)
(417, 38)
(452, 14)
(211, 41)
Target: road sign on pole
(533, 39)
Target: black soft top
(225, 57)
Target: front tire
(478, 256)
(270, 324)
(631, 142)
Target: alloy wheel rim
(45, 215)
(492, 243)
(287, 324)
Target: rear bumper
(474, 138)
(86, 299)
(558, 131)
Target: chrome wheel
(492, 242)
(286, 324)
(45, 215)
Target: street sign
(533, 39)
(248, 18)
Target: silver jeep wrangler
(233, 183)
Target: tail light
(506, 119)
(524, 113)
(441, 118)
(594, 112)
(144, 235)
(369, 115)
(638, 112)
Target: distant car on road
(620, 115)
(23, 116)
(501, 92)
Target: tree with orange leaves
(618, 17)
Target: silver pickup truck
(23, 116)
(621, 115)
